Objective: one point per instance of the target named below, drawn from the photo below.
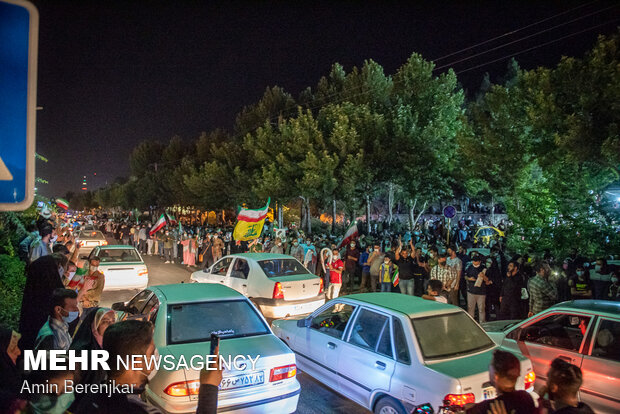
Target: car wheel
(388, 405)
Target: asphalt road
(314, 398)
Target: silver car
(184, 316)
(391, 352)
(583, 332)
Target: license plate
(488, 393)
(240, 381)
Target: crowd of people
(60, 312)
(60, 307)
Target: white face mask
(94, 268)
(73, 315)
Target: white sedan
(122, 267)
(278, 284)
(391, 352)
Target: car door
(219, 271)
(318, 347)
(601, 368)
(366, 360)
(554, 335)
(238, 276)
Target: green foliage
(12, 282)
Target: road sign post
(19, 34)
(449, 212)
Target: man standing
(542, 293)
(510, 294)
(41, 246)
(365, 284)
(93, 295)
(455, 263)
(54, 335)
(446, 275)
(142, 239)
(375, 260)
(335, 275)
(277, 247)
(477, 282)
(297, 251)
(405, 269)
(168, 242)
(352, 256)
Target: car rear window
(91, 235)
(282, 267)
(119, 255)
(449, 335)
(195, 322)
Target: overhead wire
(525, 37)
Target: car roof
(261, 256)
(195, 292)
(409, 305)
(595, 306)
(116, 246)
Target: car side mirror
(304, 323)
(119, 306)
(207, 270)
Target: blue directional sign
(19, 25)
(449, 212)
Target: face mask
(597, 268)
(94, 268)
(579, 272)
(61, 271)
(60, 405)
(279, 244)
(353, 245)
(73, 315)
(336, 257)
(295, 244)
(386, 261)
(614, 280)
(376, 250)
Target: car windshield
(91, 235)
(282, 267)
(119, 255)
(195, 322)
(449, 335)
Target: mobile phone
(215, 341)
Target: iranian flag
(250, 223)
(159, 225)
(396, 277)
(350, 235)
(62, 203)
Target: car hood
(499, 326)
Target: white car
(88, 240)
(185, 316)
(279, 285)
(391, 352)
(122, 267)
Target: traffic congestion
(370, 339)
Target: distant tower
(84, 184)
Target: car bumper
(283, 401)
(278, 308)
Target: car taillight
(530, 378)
(104, 243)
(278, 293)
(183, 388)
(143, 272)
(284, 372)
(459, 399)
(321, 286)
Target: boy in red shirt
(335, 275)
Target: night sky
(114, 73)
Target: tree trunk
(420, 214)
(368, 214)
(308, 217)
(334, 216)
(390, 202)
(492, 211)
(280, 217)
(412, 204)
(302, 215)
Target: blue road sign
(19, 25)
(449, 212)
